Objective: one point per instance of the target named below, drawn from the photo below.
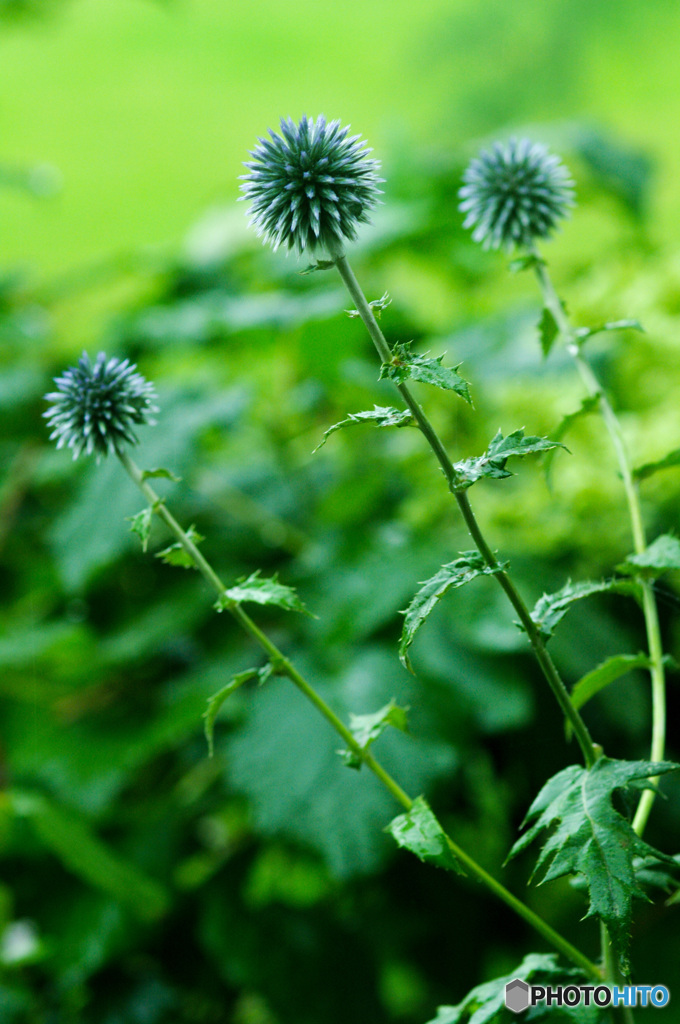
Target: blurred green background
(141, 882)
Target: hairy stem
(590, 752)
(651, 616)
(286, 668)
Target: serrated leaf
(662, 554)
(407, 365)
(217, 700)
(261, 590)
(367, 728)
(667, 462)
(141, 525)
(379, 416)
(583, 333)
(550, 608)
(165, 474)
(466, 567)
(587, 836)
(419, 831)
(548, 330)
(376, 306)
(485, 1004)
(492, 462)
(176, 554)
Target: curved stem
(590, 752)
(285, 667)
(649, 609)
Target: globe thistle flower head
(514, 194)
(311, 185)
(96, 404)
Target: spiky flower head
(96, 404)
(310, 185)
(514, 194)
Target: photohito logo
(519, 995)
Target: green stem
(590, 752)
(285, 667)
(649, 609)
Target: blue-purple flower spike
(96, 404)
(311, 185)
(514, 194)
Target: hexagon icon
(517, 995)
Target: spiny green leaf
(407, 365)
(492, 462)
(367, 728)
(419, 831)
(141, 525)
(176, 554)
(583, 333)
(377, 306)
(379, 416)
(485, 1004)
(586, 836)
(455, 574)
(550, 608)
(165, 474)
(217, 700)
(662, 554)
(261, 590)
(548, 330)
(588, 405)
(668, 461)
(655, 875)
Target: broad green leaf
(367, 728)
(550, 608)
(379, 416)
(162, 474)
(376, 306)
(455, 574)
(583, 333)
(485, 1004)
(548, 330)
(217, 700)
(588, 405)
(406, 365)
(668, 461)
(83, 852)
(492, 462)
(261, 590)
(419, 831)
(609, 671)
(585, 835)
(176, 554)
(662, 554)
(141, 525)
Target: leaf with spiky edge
(376, 306)
(466, 567)
(141, 525)
(661, 555)
(419, 831)
(175, 554)
(550, 608)
(587, 836)
(379, 416)
(493, 462)
(486, 1003)
(367, 728)
(583, 333)
(261, 590)
(217, 700)
(667, 462)
(407, 365)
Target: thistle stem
(590, 752)
(649, 609)
(286, 668)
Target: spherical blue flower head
(95, 405)
(310, 185)
(514, 194)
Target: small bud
(310, 185)
(95, 405)
(514, 194)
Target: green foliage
(587, 836)
(141, 525)
(419, 831)
(217, 700)
(548, 331)
(176, 554)
(583, 333)
(380, 417)
(661, 555)
(407, 365)
(551, 608)
(261, 590)
(493, 462)
(608, 672)
(367, 728)
(649, 468)
(376, 306)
